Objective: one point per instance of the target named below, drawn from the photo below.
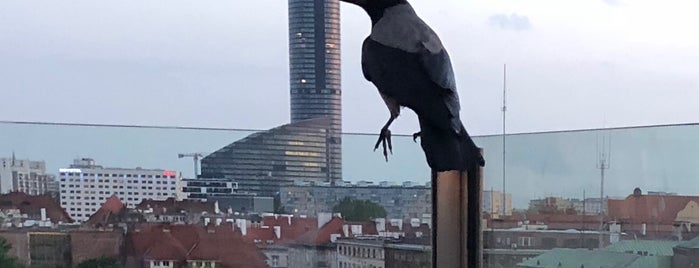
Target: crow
(405, 59)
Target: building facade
(400, 255)
(399, 202)
(314, 67)
(360, 252)
(24, 176)
(204, 188)
(265, 161)
(492, 203)
(84, 186)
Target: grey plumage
(407, 62)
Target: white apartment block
(18, 175)
(84, 187)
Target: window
(525, 241)
(275, 260)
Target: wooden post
(449, 228)
(474, 218)
(456, 220)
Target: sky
(572, 64)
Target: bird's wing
(438, 67)
(402, 29)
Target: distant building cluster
(21, 175)
(657, 227)
(189, 233)
(493, 203)
(554, 205)
(405, 201)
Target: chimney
(380, 225)
(43, 214)
(216, 209)
(288, 219)
(345, 230)
(278, 231)
(242, 226)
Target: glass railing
(553, 210)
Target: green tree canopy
(101, 262)
(6, 260)
(359, 210)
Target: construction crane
(194, 156)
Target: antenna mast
(504, 110)
(603, 163)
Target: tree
(359, 210)
(101, 262)
(7, 261)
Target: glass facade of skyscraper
(267, 160)
(314, 66)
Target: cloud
(510, 22)
(615, 3)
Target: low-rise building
(18, 209)
(399, 202)
(62, 247)
(318, 248)
(631, 253)
(360, 252)
(173, 211)
(656, 216)
(408, 254)
(165, 245)
(686, 254)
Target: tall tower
(314, 66)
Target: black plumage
(406, 61)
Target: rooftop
(652, 247)
(32, 205)
(189, 242)
(583, 258)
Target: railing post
(456, 220)
(474, 245)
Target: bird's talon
(416, 135)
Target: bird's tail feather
(446, 149)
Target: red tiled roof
(166, 247)
(108, 212)
(649, 208)
(322, 236)
(171, 205)
(32, 205)
(290, 228)
(189, 242)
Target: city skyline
(651, 158)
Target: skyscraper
(308, 148)
(314, 66)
